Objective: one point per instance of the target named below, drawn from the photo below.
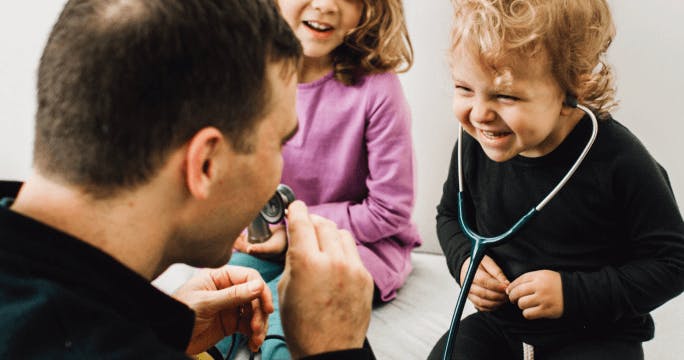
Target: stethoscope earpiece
(570, 101)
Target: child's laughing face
(515, 110)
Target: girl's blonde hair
(573, 34)
(379, 43)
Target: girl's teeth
(318, 26)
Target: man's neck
(129, 227)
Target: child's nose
(481, 112)
(324, 6)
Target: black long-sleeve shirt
(61, 298)
(614, 232)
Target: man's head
(175, 109)
(123, 83)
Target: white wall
(24, 26)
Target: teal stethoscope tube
(479, 243)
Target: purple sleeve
(386, 210)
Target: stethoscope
(480, 243)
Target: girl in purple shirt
(352, 159)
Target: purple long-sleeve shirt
(352, 162)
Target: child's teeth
(318, 26)
(493, 133)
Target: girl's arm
(386, 210)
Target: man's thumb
(236, 295)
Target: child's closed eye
(507, 98)
(462, 89)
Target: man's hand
(325, 291)
(271, 249)
(539, 294)
(488, 290)
(226, 300)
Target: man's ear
(202, 158)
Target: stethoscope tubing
(479, 243)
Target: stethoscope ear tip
(570, 101)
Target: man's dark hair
(122, 83)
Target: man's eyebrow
(291, 134)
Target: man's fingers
(229, 275)
(258, 325)
(328, 235)
(349, 248)
(236, 295)
(301, 230)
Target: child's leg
(478, 339)
(595, 349)
(271, 272)
(267, 269)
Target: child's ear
(202, 159)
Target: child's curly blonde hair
(379, 43)
(573, 34)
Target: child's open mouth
(318, 26)
(493, 135)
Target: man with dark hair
(157, 140)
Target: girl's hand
(273, 248)
(539, 294)
(488, 290)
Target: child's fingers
(528, 301)
(483, 304)
(519, 288)
(241, 244)
(485, 280)
(533, 313)
(494, 270)
(487, 294)
(275, 245)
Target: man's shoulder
(42, 319)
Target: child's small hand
(272, 248)
(488, 290)
(539, 294)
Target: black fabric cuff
(364, 353)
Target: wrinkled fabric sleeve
(654, 243)
(386, 210)
(455, 246)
